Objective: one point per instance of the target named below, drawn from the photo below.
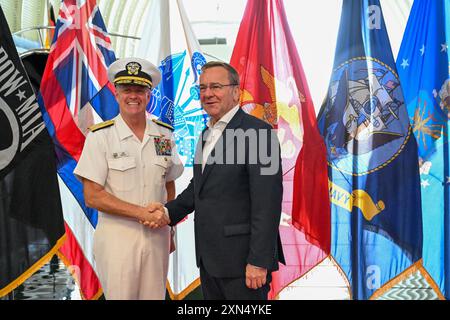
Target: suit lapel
(198, 157)
(233, 124)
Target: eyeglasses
(215, 87)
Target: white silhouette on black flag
(31, 220)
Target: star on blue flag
(426, 87)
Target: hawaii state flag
(372, 158)
(423, 65)
(74, 94)
(274, 89)
(169, 42)
(31, 222)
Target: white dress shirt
(215, 131)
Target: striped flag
(74, 94)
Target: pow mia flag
(20, 118)
(31, 221)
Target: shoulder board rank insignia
(101, 125)
(163, 124)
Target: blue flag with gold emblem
(424, 67)
(372, 157)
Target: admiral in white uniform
(126, 164)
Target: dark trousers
(230, 288)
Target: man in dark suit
(236, 193)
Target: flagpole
(355, 225)
(48, 31)
(176, 272)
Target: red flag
(274, 88)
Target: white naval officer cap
(135, 71)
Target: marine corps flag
(423, 65)
(372, 157)
(31, 224)
(274, 89)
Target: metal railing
(41, 44)
(41, 32)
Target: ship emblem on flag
(371, 126)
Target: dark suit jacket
(237, 209)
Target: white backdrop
(314, 25)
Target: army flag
(31, 221)
(372, 157)
(423, 65)
(169, 42)
(274, 89)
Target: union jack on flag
(75, 93)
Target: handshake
(154, 216)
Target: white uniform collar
(124, 131)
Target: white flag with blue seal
(169, 42)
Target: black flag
(31, 219)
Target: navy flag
(31, 222)
(423, 65)
(372, 157)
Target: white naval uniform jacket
(127, 253)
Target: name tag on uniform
(163, 146)
(120, 154)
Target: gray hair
(233, 76)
